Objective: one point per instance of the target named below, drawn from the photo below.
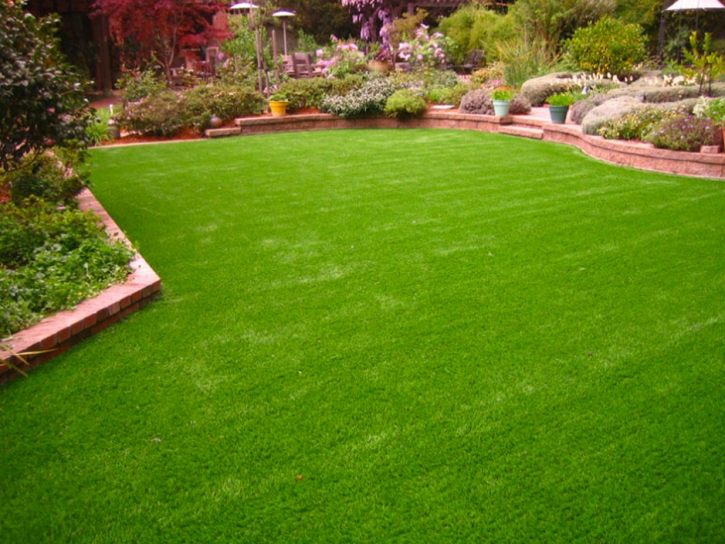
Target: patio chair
(473, 60)
(302, 65)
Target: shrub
(349, 83)
(479, 102)
(141, 85)
(424, 51)
(608, 46)
(519, 105)
(370, 99)
(55, 176)
(405, 103)
(200, 104)
(448, 95)
(155, 115)
(165, 113)
(341, 58)
(685, 133)
(41, 96)
(713, 109)
(306, 93)
(492, 72)
(637, 124)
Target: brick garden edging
(65, 329)
(635, 155)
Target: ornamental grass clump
(685, 133)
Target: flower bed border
(633, 154)
(57, 333)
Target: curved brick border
(636, 155)
(639, 155)
(65, 329)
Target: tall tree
(156, 30)
(321, 18)
(554, 20)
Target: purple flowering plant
(685, 133)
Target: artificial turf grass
(450, 336)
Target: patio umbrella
(244, 5)
(696, 6)
(283, 14)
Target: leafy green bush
(474, 26)
(370, 99)
(636, 124)
(200, 104)
(492, 72)
(155, 115)
(608, 46)
(405, 103)
(41, 96)
(166, 112)
(448, 95)
(306, 93)
(139, 86)
(51, 260)
(714, 109)
(685, 133)
(55, 176)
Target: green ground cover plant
(388, 336)
(51, 260)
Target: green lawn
(388, 336)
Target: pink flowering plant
(425, 51)
(340, 58)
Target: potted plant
(559, 107)
(501, 98)
(278, 104)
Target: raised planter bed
(636, 155)
(57, 333)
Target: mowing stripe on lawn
(388, 336)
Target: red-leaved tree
(156, 30)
